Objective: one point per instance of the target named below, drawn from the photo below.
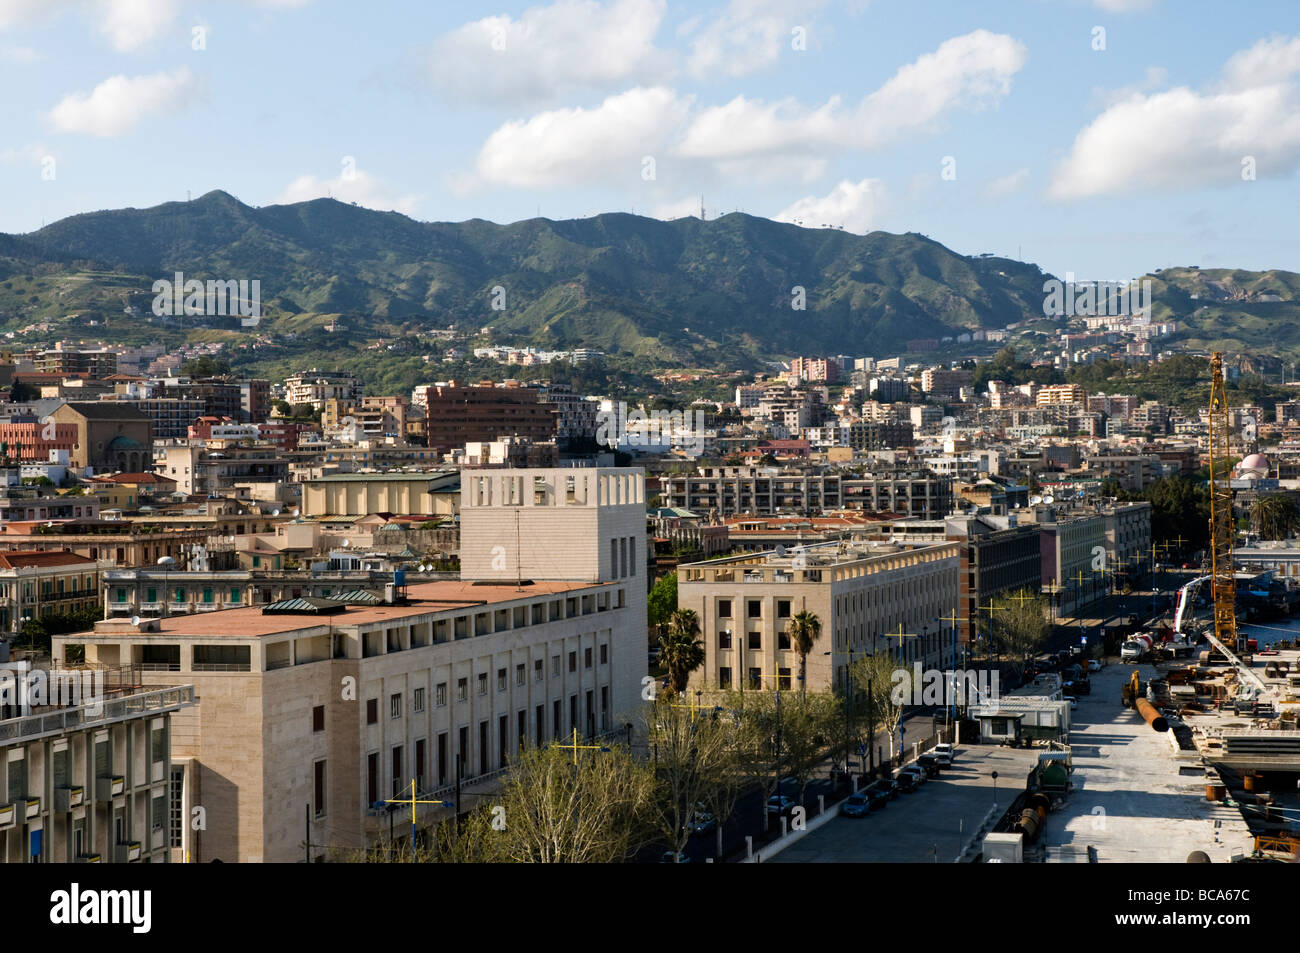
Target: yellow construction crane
(1223, 526)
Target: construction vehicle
(1129, 693)
(1136, 647)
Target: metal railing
(117, 709)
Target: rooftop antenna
(701, 206)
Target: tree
(661, 602)
(804, 630)
(888, 688)
(1020, 627)
(681, 647)
(1274, 516)
(692, 754)
(754, 740)
(206, 366)
(806, 726)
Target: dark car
(906, 783)
(880, 793)
(931, 764)
(856, 805)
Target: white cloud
(748, 35)
(357, 186)
(855, 205)
(571, 44)
(970, 71)
(1007, 184)
(1182, 138)
(129, 24)
(576, 146)
(14, 12)
(117, 104)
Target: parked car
(1094, 665)
(945, 752)
(779, 805)
(930, 763)
(856, 805)
(881, 793)
(702, 822)
(917, 772)
(906, 782)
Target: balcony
(158, 839)
(33, 807)
(88, 858)
(126, 852)
(68, 797)
(109, 786)
(8, 815)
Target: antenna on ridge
(701, 206)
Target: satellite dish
(1049, 499)
(347, 543)
(1035, 500)
(780, 550)
(166, 561)
(135, 620)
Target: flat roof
(422, 599)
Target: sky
(1103, 138)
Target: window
(538, 674)
(783, 608)
(119, 595)
(783, 640)
(754, 609)
(440, 695)
(417, 700)
(372, 711)
(755, 640)
(724, 638)
(318, 788)
(159, 813)
(724, 678)
(482, 683)
(604, 653)
(462, 689)
(398, 784)
(756, 678)
(372, 779)
(555, 666)
(318, 718)
(521, 674)
(175, 813)
(783, 679)
(724, 608)
(159, 744)
(586, 657)
(573, 661)
(234, 595)
(151, 595)
(207, 595)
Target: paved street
(934, 821)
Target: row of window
(754, 608)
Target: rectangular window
(724, 608)
(482, 683)
(159, 744)
(754, 609)
(783, 608)
(318, 788)
(462, 689)
(755, 640)
(442, 758)
(604, 653)
(207, 595)
(372, 711)
(441, 695)
(521, 674)
(555, 666)
(783, 679)
(538, 673)
(724, 638)
(501, 680)
(234, 595)
(318, 718)
(586, 657)
(398, 781)
(417, 700)
(613, 558)
(756, 678)
(783, 640)
(372, 779)
(158, 820)
(175, 811)
(395, 706)
(573, 661)
(724, 678)
(419, 764)
(151, 595)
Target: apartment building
(341, 702)
(764, 491)
(314, 387)
(36, 585)
(458, 413)
(1052, 395)
(860, 591)
(90, 779)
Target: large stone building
(433, 493)
(861, 592)
(36, 585)
(340, 703)
(109, 436)
(457, 413)
(764, 491)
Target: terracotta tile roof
(27, 559)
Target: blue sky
(997, 126)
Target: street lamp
(167, 562)
(995, 789)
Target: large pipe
(1153, 717)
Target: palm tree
(681, 647)
(1274, 515)
(804, 629)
